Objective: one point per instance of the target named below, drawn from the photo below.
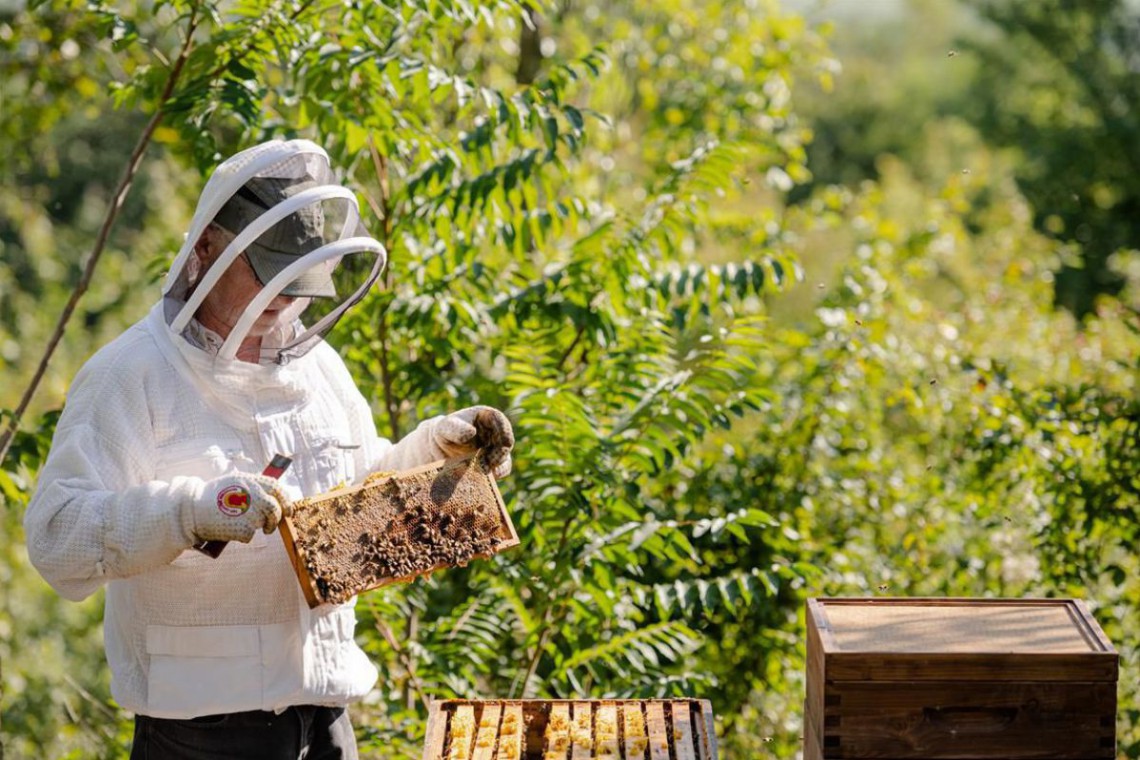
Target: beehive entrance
(676, 729)
(396, 527)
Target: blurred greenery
(1052, 84)
(783, 302)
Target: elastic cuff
(194, 494)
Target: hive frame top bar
(539, 701)
(701, 732)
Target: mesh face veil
(288, 256)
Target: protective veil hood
(287, 222)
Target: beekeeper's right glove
(233, 507)
(454, 435)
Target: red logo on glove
(233, 501)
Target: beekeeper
(160, 446)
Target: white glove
(233, 507)
(477, 427)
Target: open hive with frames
(577, 729)
(396, 526)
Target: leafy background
(784, 301)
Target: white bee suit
(165, 408)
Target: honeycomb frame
(395, 527)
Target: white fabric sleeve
(372, 447)
(416, 448)
(85, 526)
(98, 513)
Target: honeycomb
(395, 527)
(462, 732)
(510, 737)
(674, 729)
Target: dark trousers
(299, 733)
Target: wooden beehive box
(396, 527)
(958, 678)
(570, 729)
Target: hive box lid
(940, 639)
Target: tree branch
(546, 626)
(570, 348)
(530, 46)
(404, 660)
(381, 165)
(109, 220)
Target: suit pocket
(331, 461)
(196, 458)
(203, 669)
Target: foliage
(55, 65)
(1061, 90)
(902, 74)
(1052, 83)
(495, 250)
(593, 239)
(510, 289)
(947, 432)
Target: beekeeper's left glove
(233, 507)
(477, 427)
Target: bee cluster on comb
(581, 729)
(394, 527)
